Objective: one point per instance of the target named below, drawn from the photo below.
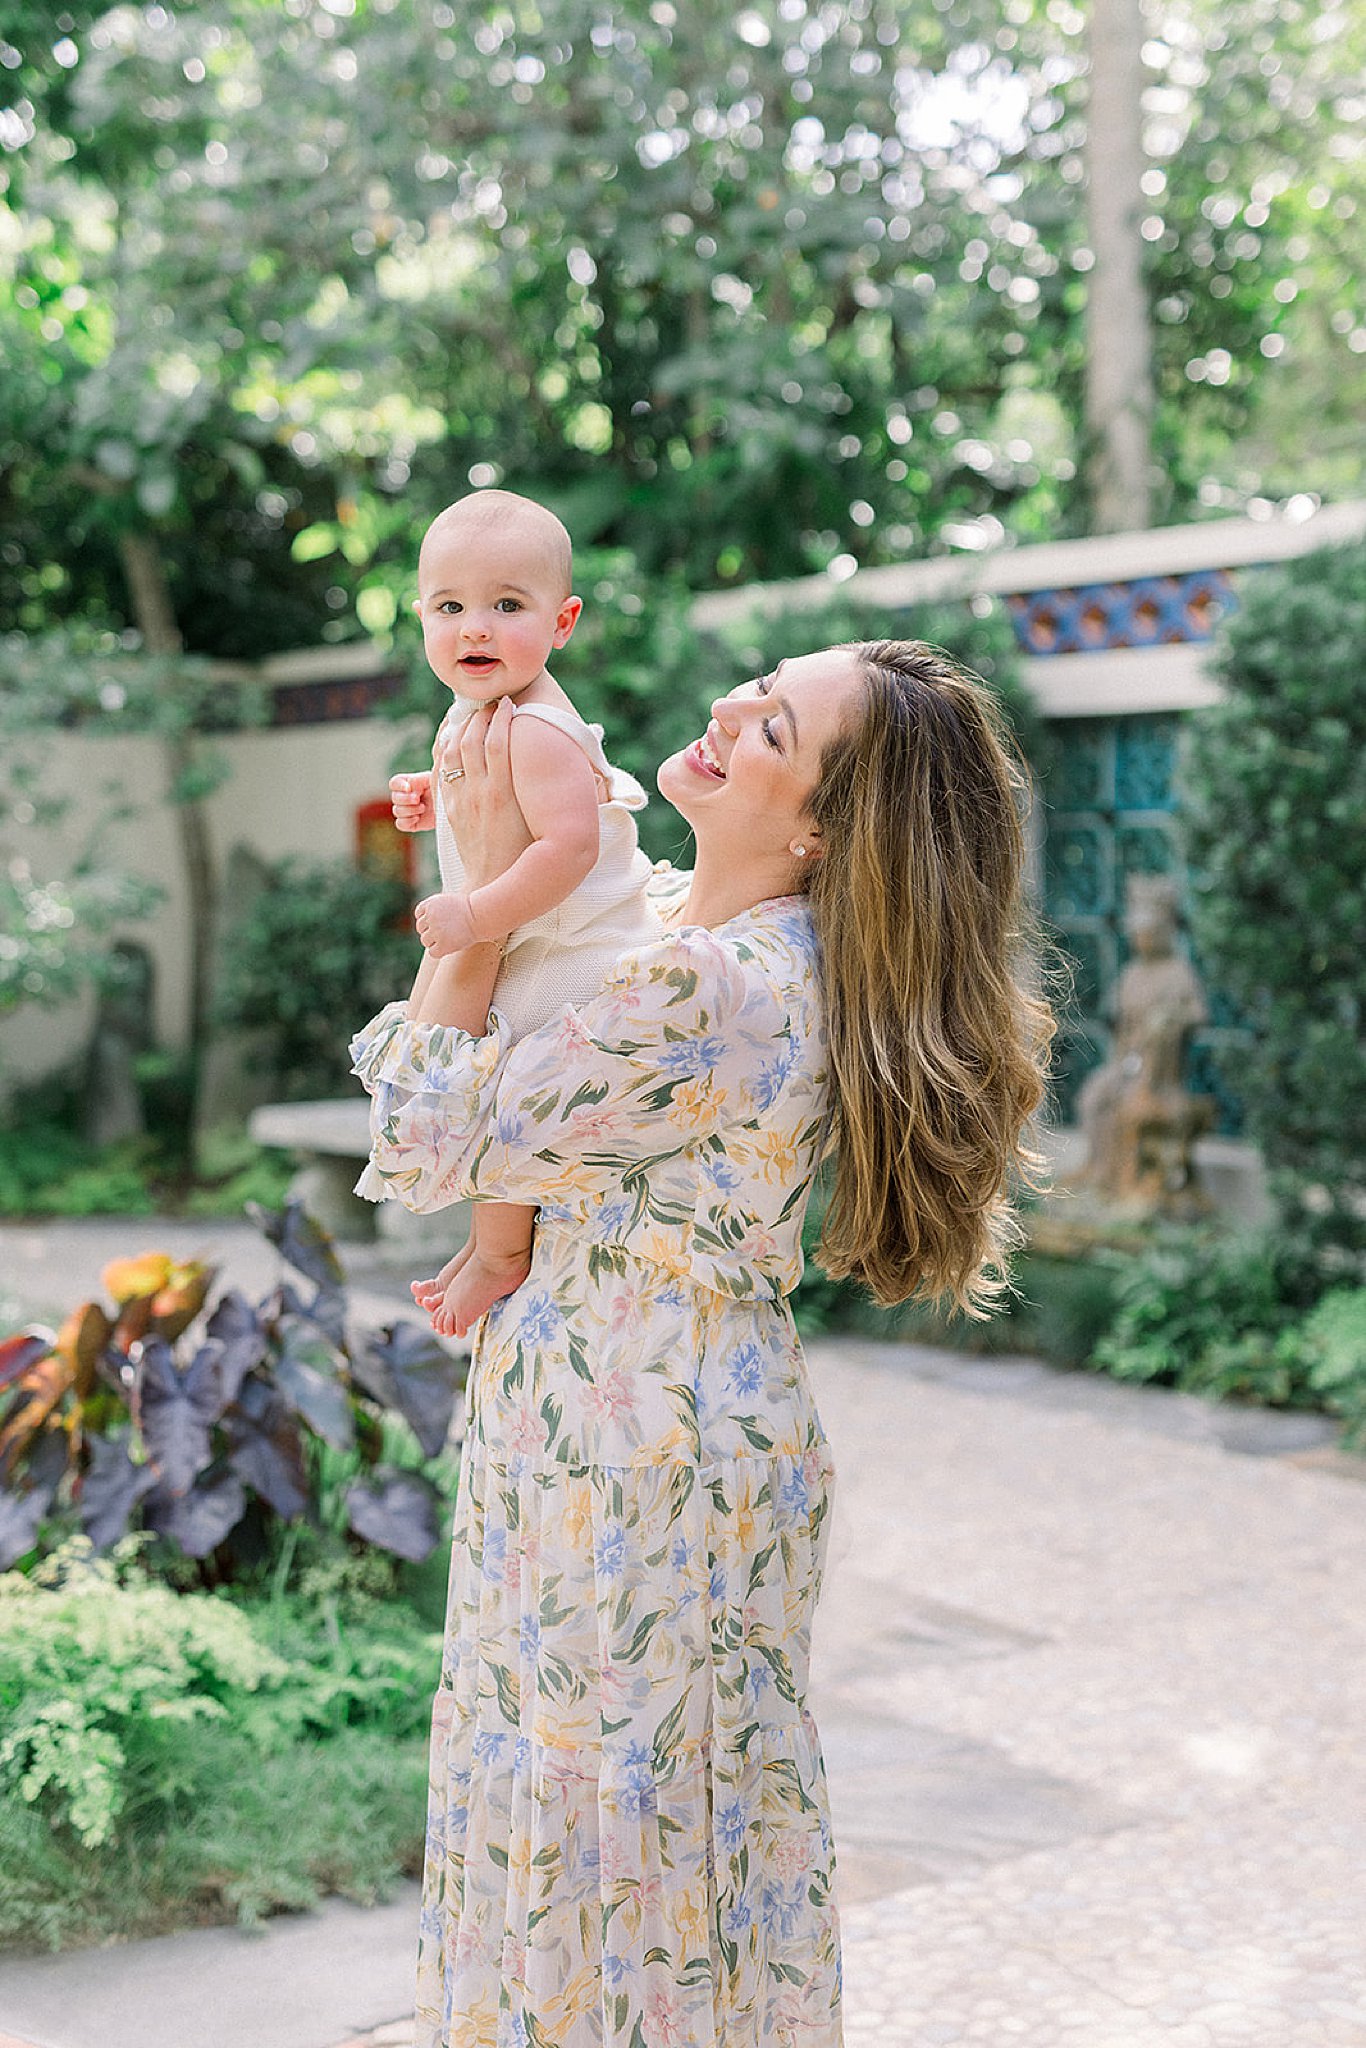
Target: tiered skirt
(628, 1841)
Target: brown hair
(938, 1043)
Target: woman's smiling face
(748, 780)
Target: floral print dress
(629, 1841)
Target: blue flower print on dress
(636, 1791)
(540, 1319)
(738, 1918)
(609, 1221)
(489, 1744)
(769, 1082)
(746, 1374)
(691, 1057)
(495, 1552)
(610, 1551)
(722, 1173)
(795, 1495)
(731, 1822)
(508, 1126)
(784, 1908)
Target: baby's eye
(508, 604)
(449, 605)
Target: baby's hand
(445, 925)
(411, 797)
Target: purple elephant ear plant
(206, 1423)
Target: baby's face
(492, 608)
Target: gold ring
(452, 774)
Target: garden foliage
(320, 946)
(1275, 801)
(211, 1432)
(1239, 1317)
(225, 1757)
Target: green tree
(1275, 797)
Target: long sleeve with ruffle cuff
(431, 1087)
(691, 1036)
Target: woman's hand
(474, 776)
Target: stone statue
(1139, 1120)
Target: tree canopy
(751, 291)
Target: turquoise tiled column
(1110, 813)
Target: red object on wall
(381, 849)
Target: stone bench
(332, 1143)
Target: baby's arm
(557, 794)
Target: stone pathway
(1090, 1665)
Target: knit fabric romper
(564, 955)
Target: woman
(629, 1842)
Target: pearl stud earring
(800, 852)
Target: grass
(242, 1836)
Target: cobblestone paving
(1171, 1633)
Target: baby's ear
(417, 606)
(566, 618)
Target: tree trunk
(1119, 376)
(155, 618)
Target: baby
(494, 599)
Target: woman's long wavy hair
(938, 1033)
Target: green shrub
(1331, 1344)
(48, 1169)
(320, 948)
(1274, 799)
(232, 1170)
(1064, 1307)
(223, 1759)
(86, 1668)
(1205, 1312)
(40, 1154)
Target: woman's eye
(771, 738)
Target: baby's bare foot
(427, 1293)
(480, 1282)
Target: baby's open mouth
(478, 661)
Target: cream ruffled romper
(566, 954)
